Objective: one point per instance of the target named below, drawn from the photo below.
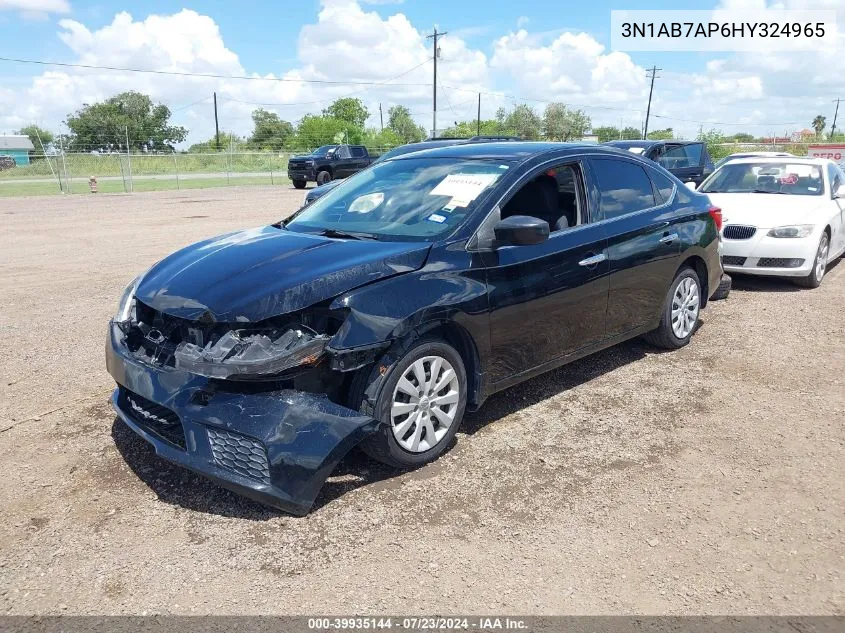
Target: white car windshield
(795, 179)
(401, 199)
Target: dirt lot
(708, 480)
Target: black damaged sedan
(382, 312)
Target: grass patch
(11, 189)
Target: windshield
(320, 152)
(408, 199)
(795, 179)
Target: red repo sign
(833, 152)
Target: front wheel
(323, 177)
(299, 184)
(814, 279)
(680, 312)
(421, 403)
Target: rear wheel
(323, 177)
(299, 184)
(814, 279)
(680, 313)
(421, 403)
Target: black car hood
(259, 273)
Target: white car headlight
(126, 306)
(798, 230)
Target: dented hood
(264, 272)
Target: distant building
(18, 147)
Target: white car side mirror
(690, 185)
(840, 193)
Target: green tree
(227, 140)
(107, 124)
(740, 137)
(315, 130)
(38, 136)
(714, 140)
(400, 122)
(468, 129)
(524, 122)
(606, 133)
(563, 124)
(819, 124)
(349, 109)
(661, 135)
(269, 131)
(381, 139)
(631, 134)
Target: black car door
(547, 300)
(643, 242)
(359, 158)
(685, 161)
(343, 162)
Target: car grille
(239, 453)
(296, 164)
(732, 260)
(153, 418)
(779, 262)
(738, 232)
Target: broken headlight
(245, 354)
(126, 306)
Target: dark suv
(688, 160)
(327, 163)
(381, 312)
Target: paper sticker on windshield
(436, 217)
(463, 188)
(636, 150)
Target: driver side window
(554, 195)
(343, 152)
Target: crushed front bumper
(275, 447)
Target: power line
(205, 75)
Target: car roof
(510, 150)
(645, 143)
(781, 159)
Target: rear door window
(358, 152)
(681, 156)
(623, 186)
(664, 185)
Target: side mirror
(840, 192)
(521, 230)
(691, 185)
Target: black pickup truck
(327, 163)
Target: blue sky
(532, 50)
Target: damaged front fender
(277, 447)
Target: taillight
(716, 214)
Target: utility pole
(434, 36)
(216, 126)
(381, 116)
(835, 114)
(478, 119)
(653, 74)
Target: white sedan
(782, 217)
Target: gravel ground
(707, 480)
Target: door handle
(668, 239)
(592, 261)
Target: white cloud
(35, 9)
(349, 42)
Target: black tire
(383, 445)
(724, 288)
(323, 177)
(299, 184)
(814, 279)
(664, 336)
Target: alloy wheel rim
(425, 402)
(685, 306)
(821, 258)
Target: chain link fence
(125, 173)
